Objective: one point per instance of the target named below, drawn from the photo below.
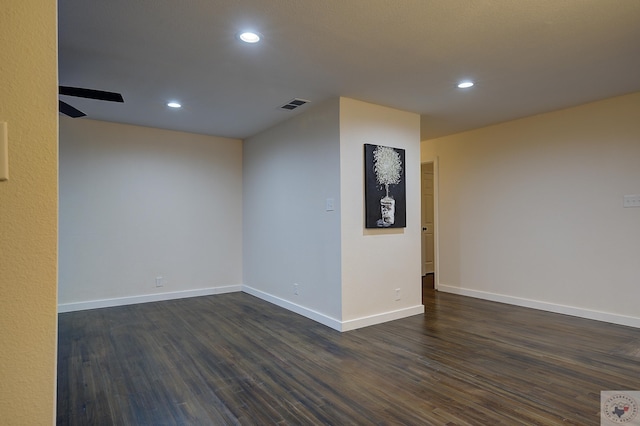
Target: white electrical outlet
(159, 282)
(397, 294)
(631, 201)
(329, 205)
(295, 289)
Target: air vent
(293, 104)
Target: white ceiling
(526, 56)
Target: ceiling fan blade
(91, 94)
(67, 109)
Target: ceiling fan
(100, 95)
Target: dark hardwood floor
(234, 359)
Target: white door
(428, 241)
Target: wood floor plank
(233, 359)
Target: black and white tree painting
(384, 190)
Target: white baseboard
(301, 310)
(383, 317)
(544, 306)
(132, 300)
(298, 309)
(332, 322)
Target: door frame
(436, 219)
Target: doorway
(428, 223)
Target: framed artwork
(384, 187)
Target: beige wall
(531, 210)
(138, 203)
(28, 213)
(375, 262)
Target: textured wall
(28, 213)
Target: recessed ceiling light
(465, 84)
(173, 105)
(249, 37)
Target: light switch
(4, 152)
(631, 201)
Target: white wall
(137, 203)
(375, 262)
(531, 211)
(289, 172)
